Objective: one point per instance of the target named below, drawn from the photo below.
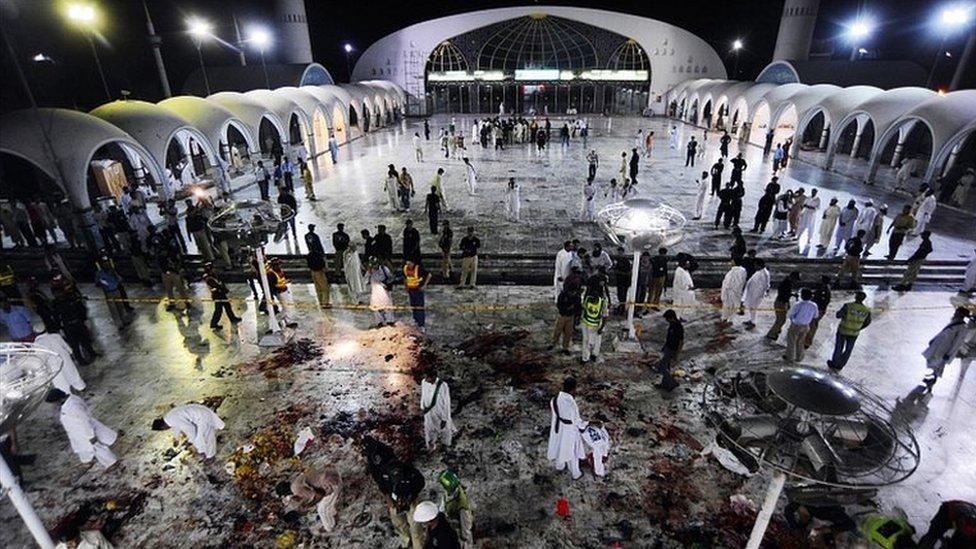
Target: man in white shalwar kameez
(564, 259)
(435, 406)
(703, 187)
(865, 219)
(353, 269)
(924, 213)
(589, 201)
(514, 203)
(565, 427)
(68, 378)
(89, 438)
(733, 286)
(828, 224)
(943, 347)
(808, 218)
(683, 289)
(380, 298)
(756, 289)
(673, 137)
(472, 176)
(199, 423)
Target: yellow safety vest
(413, 280)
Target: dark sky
(72, 80)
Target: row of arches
(878, 129)
(51, 154)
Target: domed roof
(537, 42)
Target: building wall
(675, 54)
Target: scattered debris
(291, 354)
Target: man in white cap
(565, 443)
(90, 438)
(435, 406)
(199, 423)
(437, 532)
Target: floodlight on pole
(949, 20)
(736, 47)
(956, 16)
(200, 30)
(347, 47)
(857, 31)
(84, 16)
(261, 39)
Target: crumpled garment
(304, 437)
(726, 458)
(327, 510)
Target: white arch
(208, 117)
(74, 137)
(251, 113)
(668, 47)
(311, 105)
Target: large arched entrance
(320, 131)
(269, 137)
(235, 149)
(813, 136)
(537, 64)
(22, 180)
(339, 125)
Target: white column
(24, 507)
(823, 138)
(951, 161)
(632, 295)
(857, 141)
(766, 512)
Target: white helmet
(426, 511)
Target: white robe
(865, 220)
(756, 288)
(82, 429)
(566, 445)
(380, 299)
(514, 204)
(589, 202)
(200, 425)
(682, 294)
(673, 138)
(808, 218)
(563, 262)
(703, 187)
(733, 285)
(390, 186)
(472, 179)
(945, 344)
(68, 377)
(353, 270)
(924, 214)
(440, 413)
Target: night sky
(71, 79)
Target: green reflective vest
(855, 314)
(593, 311)
(886, 531)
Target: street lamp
(736, 46)
(347, 47)
(856, 32)
(200, 30)
(261, 39)
(84, 16)
(950, 19)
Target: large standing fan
(26, 372)
(811, 425)
(250, 223)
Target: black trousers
(894, 242)
(720, 213)
(221, 307)
(760, 225)
(716, 185)
(592, 171)
(263, 186)
(79, 339)
(690, 160)
(432, 216)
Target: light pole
(200, 30)
(736, 46)
(84, 16)
(348, 49)
(858, 31)
(261, 40)
(949, 20)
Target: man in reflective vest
(279, 288)
(854, 317)
(594, 311)
(415, 278)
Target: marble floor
(365, 380)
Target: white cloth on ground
(438, 425)
(304, 437)
(200, 425)
(597, 440)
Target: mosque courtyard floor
(346, 380)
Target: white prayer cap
(426, 511)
